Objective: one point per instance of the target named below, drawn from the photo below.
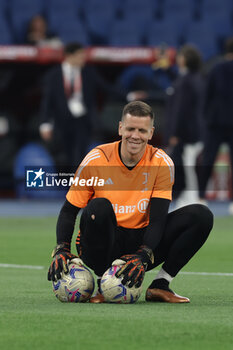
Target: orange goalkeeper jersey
(102, 174)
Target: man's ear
(152, 132)
(120, 128)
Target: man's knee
(98, 209)
(100, 203)
(202, 216)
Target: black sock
(160, 283)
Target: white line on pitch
(15, 266)
(201, 273)
(34, 267)
(207, 273)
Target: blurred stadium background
(124, 22)
(147, 25)
(117, 34)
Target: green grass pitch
(32, 318)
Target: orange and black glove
(135, 266)
(61, 254)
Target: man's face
(135, 133)
(180, 60)
(79, 58)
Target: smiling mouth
(134, 143)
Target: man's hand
(136, 95)
(61, 254)
(135, 266)
(46, 131)
(173, 141)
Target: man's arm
(158, 215)
(136, 264)
(66, 222)
(61, 253)
(46, 106)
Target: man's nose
(135, 134)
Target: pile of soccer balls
(78, 286)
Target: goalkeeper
(125, 212)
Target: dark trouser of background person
(185, 156)
(176, 156)
(101, 241)
(76, 138)
(213, 139)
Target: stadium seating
(6, 37)
(178, 23)
(178, 5)
(215, 6)
(65, 7)
(99, 28)
(221, 23)
(125, 33)
(202, 35)
(3, 7)
(61, 12)
(72, 30)
(129, 77)
(184, 8)
(139, 10)
(116, 16)
(20, 13)
(159, 32)
(65, 18)
(99, 17)
(103, 6)
(29, 7)
(124, 22)
(30, 155)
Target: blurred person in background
(8, 147)
(38, 33)
(218, 113)
(69, 106)
(150, 81)
(183, 123)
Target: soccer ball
(114, 291)
(76, 286)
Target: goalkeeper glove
(135, 266)
(60, 254)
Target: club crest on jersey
(145, 182)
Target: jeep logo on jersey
(142, 205)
